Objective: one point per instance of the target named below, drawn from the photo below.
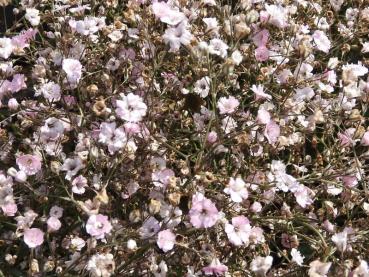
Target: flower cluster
(184, 138)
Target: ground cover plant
(184, 138)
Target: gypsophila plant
(184, 138)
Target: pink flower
(53, 224)
(215, 268)
(346, 138)
(365, 139)
(18, 83)
(161, 178)
(29, 164)
(263, 116)
(166, 240)
(238, 232)
(33, 237)
(98, 225)
(321, 40)
(73, 69)
(227, 105)
(212, 137)
(349, 181)
(203, 213)
(9, 209)
(131, 108)
(78, 184)
(167, 14)
(237, 190)
(262, 54)
(261, 38)
(272, 132)
(259, 92)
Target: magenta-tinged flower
(262, 54)
(261, 38)
(212, 137)
(131, 108)
(72, 166)
(33, 237)
(166, 240)
(98, 226)
(238, 232)
(203, 213)
(237, 189)
(73, 69)
(215, 268)
(29, 164)
(227, 105)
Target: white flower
(114, 138)
(101, 265)
(239, 231)
(115, 36)
(236, 57)
(341, 240)
(318, 269)
(73, 69)
(228, 124)
(202, 86)
(277, 15)
(32, 15)
(6, 47)
(227, 105)
(322, 41)
(237, 190)
(71, 166)
(259, 92)
(297, 257)
(218, 47)
(131, 108)
(211, 24)
(51, 91)
(362, 270)
(261, 265)
(175, 36)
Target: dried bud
(154, 206)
